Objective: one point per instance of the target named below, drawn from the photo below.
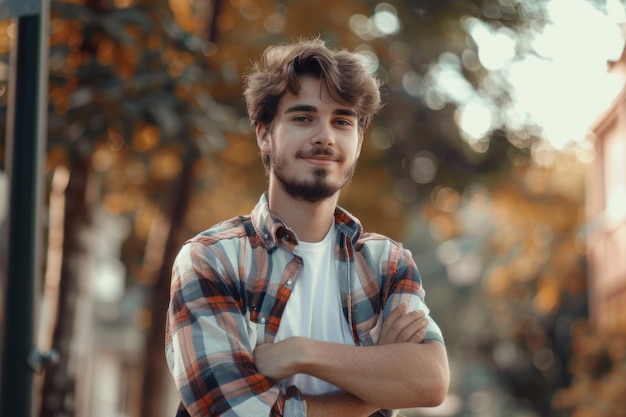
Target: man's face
(313, 143)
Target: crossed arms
(220, 375)
(399, 372)
(210, 353)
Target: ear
(262, 137)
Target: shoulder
(235, 228)
(383, 249)
(370, 239)
(221, 239)
(212, 253)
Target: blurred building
(606, 208)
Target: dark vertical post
(24, 157)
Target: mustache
(313, 152)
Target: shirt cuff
(295, 406)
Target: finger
(397, 313)
(417, 314)
(418, 318)
(412, 334)
(414, 318)
(418, 337)
(411, 325)
(401, 329)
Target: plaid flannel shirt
(230, 285)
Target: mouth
(320, 158)
(319, 161)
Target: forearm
(337, 404)
(390, 376)
(399, 372)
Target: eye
(344, 122)
(301, 119)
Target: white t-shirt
(314, 307)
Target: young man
(293, 310)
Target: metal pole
(25, 148)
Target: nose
(323, 136)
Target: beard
(313, 190)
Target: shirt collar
(271, 229)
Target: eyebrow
(312, 109)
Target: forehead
(312, 93)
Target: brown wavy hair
(342, 73)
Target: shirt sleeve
(208, 345)
(407, 288)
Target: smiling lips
(322, 156)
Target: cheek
(353, 153)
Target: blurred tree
(407, 44)
(514, 254)
(598, 374)
(130, 115)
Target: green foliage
(113, 71)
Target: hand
(402, 327)
(278, 360)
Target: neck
(310, 221)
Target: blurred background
(498, 160)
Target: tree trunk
(155, 375)
(59, 383)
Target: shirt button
(262, 320)
(289, 281)
(265, 235)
